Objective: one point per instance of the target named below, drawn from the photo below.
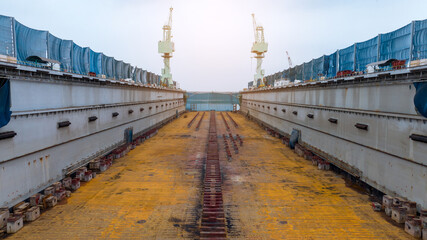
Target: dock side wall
(42, 153)
(383, 155)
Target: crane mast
(259, 47)
(289, 59)
(167, 47)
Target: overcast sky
(213, 38)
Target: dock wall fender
(420, 98)
(5, 112)
(294, 138)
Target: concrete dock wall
(383, 155)
(42, 153)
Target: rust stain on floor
(269, 192)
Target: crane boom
(170, 18)
(255, 26)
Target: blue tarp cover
(331, 65)
(298, 72)
(393, 45)
(346, 58)
(60, 50)
(20, 41)
(366, 52)
(80, 59)
(118, 66)
(396, 44)
(318, 67)
(419, 40)
(4, 102)
(7, 46)
(30, 42)
(108, 66)
(95, 60)
(308, 70)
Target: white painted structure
(384, 155)
(42, 153)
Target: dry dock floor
(154, 192)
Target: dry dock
(155, 192)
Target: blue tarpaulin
(318, 67)
(60, 50)
(7, 46)
(331, 65)
(144, 77)
(137, 75)
(53, 47)
(406, 43)
(20, 41)
(346, 58)
(30, 42)
(4, 102)
(127, 70)
(396, 44)
(308, 67)
(298, 72)
(419, 40)
(80, 59)
(118, 67)
(95, 60)
(108, 66)
(366, 52)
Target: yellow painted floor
(269, 192)
(151, 193)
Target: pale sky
(213, 38)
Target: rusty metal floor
(155, 192)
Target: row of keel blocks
(240, 139)
(13, 219)
(225, 121)
(232, 120)
(400, 210)
(192, 120)
(200, 122)
(236, 148)
(213, 217)
(403, 211)
(227, 148)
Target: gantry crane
(259, 47)
(167, 47)
(289, 59)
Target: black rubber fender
(420, 98)
(294, 138)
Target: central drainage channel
(213, 218)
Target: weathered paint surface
(41, 153)
(384, 156)
(151, 193)
(269, 193)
